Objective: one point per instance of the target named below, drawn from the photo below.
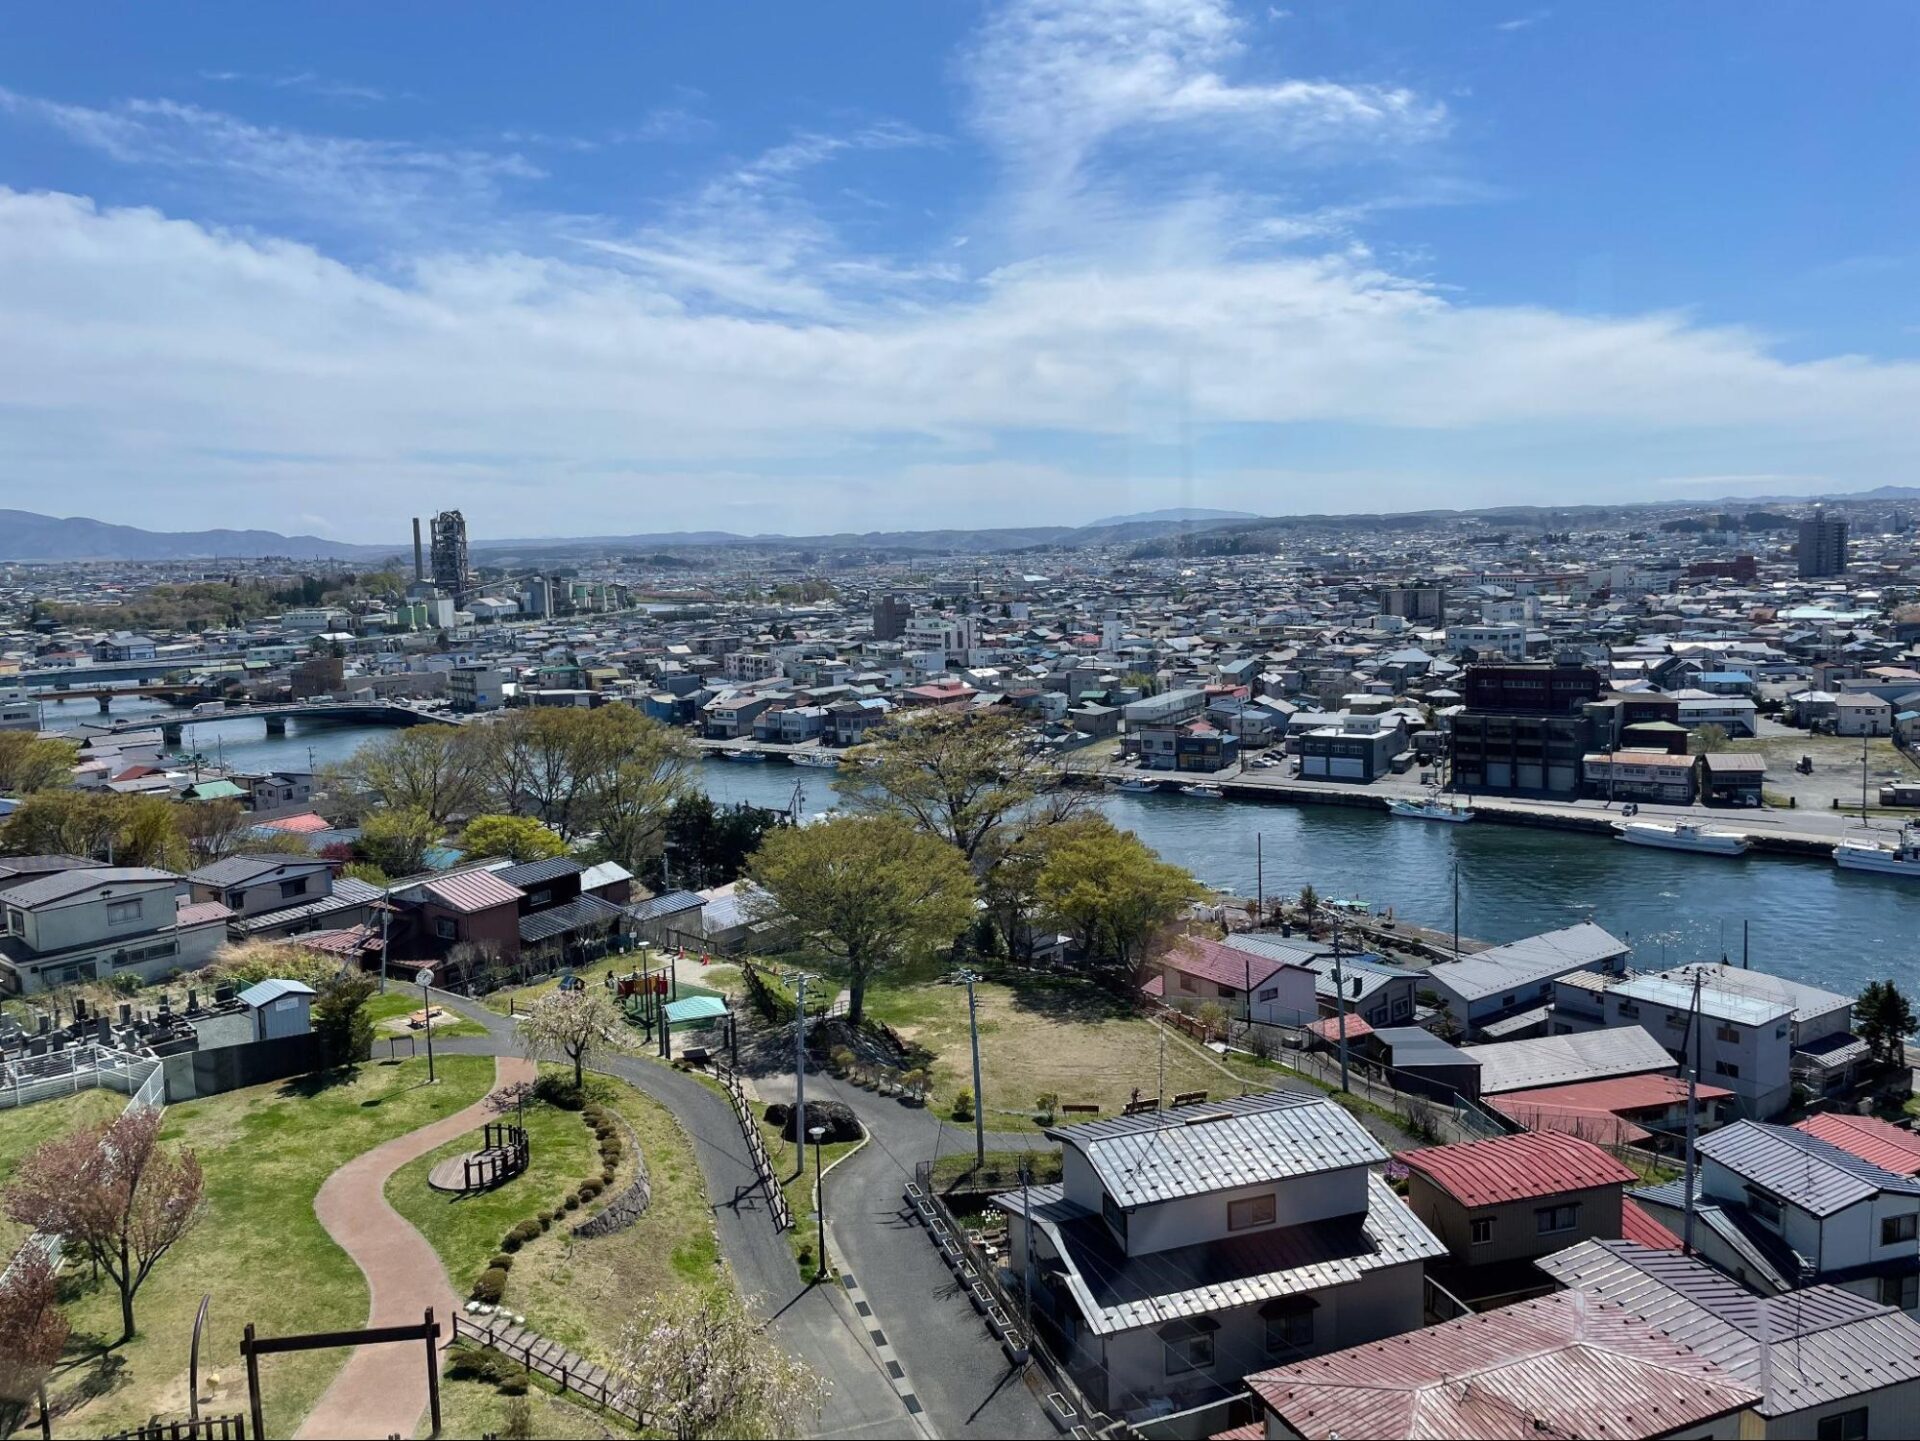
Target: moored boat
(1902, 858)
(1431, 808)
(1681, 836)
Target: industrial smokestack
(419, 556)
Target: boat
(1203, 792)
(751, 758)
(1681, 836)
(814, 760)
(1900, 859)
(1137, 787)
(1431, 808)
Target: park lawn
(1052, 1035)
(472, 1408)
(577, 1292)
(1002, 1168)
(389, 1016)
(24, 1129)
(259, 1251)
(512, 998)
(467, 1230)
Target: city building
(1823, 546)
(75, 922)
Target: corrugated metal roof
(533, 873)
(1216, 1146)
(263, 993)
(1813, 1174)
(1887, 1146)
(1517, 1168)
(349, 893)
(1115, 1292)
(473, 891)
(577, 914)
(1561, 1060)
(1637, 1226)
(239, 870)
(1559, 1366)
(669, 904)
(1238, 968)
(1812, 1347)
(63, 885)
(1502, 968)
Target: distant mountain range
(25, 536)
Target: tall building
(1414, 602)
(1823, 546)
(1524, 729)
(450, 571)
(890, 617)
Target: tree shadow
(1073, 998)
(315, 1083)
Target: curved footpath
(382, 1390)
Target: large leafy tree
(609, 769)
(1883, 1018)
(870, 891)
(29, 764)
(425, 768)
(519, 838)
(129, 830)
(962, 776)
(116, 1194)
(397, 841)
(33, 1331)
(1112, 892)
(708, 845)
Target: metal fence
(70, 1071)
(756, 1146)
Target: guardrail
(566, 1370)
(756, 1147)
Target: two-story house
(1276, 990)
(283, 895)
(93, 923)
(1519, 976)
(1779, 1210)
(1184, 1249)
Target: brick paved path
(382, 1390)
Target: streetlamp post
(426, 1012)
(819, 1134)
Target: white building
(1505, 639)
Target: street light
(426, 1014)
(819, 1134)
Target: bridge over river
(350, 712)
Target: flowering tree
(570, 1026)
(33, 1330)
(112, 1191)
(698, 1366)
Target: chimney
(419, 559)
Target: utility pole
(1026, 1278)
(1340, 1001)
(979, 1100)
(799, 979)
(1456, 910)
(1259, 892)
(1693, 1078)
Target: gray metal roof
(1811, 1348)
(1115, 1292)
(669, 904)
(533, 873)
(1518, 963)
(262, 993)
(1815, 1175)
(239, 870)
(349, 893)
(64, 885)
(1562, 1060)
(1413, 1046)
(1220, 1145)
(576, 914)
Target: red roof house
(1887, 1146)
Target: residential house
(1640, 775)
(1542, 1061)
(96, 923)
(1195, 970)
(1646, 1110)
(1890, 1147)
(1184, 1249)
(250, 886)
(1828, 1364)
(1519, 976)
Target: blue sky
(632, 268)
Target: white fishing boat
(751, 758)
(1432, 808)
(815, 760)
(1681, 836)
(1203, 792)
(1902, 858)
(1138, 787)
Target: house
(1425, 1065)
(1647, 1110)
(1562, 1060)
(1827, 1363)
(1863, 714)
(1365, 986)
(1556, 1366)
(1501, 1204)
(1519, 975)
(1194, 970)
(672, 918)
(253, 885)
(1640, 775)
(1891, 1148)
(1184, 1249)
(1194, 745)
(95, 923)
(1727, 779)
(470, 907)
(1779, 1209)
(559, 919)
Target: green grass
(577, 1292)
(25, 1129)
(471, 1408)
(467, 1229)
(521, 997)
(389, 1012)
(259, 1251)
(1002, 1169)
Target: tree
(28, 764)
(869, 890)
(708, 845)
(698, 1365)
(130, 830)
(397, 841)
(33, 1331)
(1883, 1018)
(1011, 886)
(520, 838)
(1710, 738)
(116, 1194)
(1111, 890)
(1308, 902)
(959, 775)
(214, 829)
(340, 1018)
(571, 1026)
(425, 768)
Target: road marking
(896, 1373)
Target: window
(16, 921)
(1901, 1291)
(1726, 1068)
(122, 913)
(1507, 999)
(1765, 1207)
(1550, 1219)
(1186, 982)
(1190, 1353)
(1254, 1211)
(290, 889)
(1482, 1230)
(1271, 993)
(1844, 1425)
(540, 897)
(1292, 1330)
(1729, 1034)
(1899, 1228)
(1116, 1218)
(1629, 1008)
(446, 929)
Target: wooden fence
(206, 1428)
(566, 1370)
(756, 1147)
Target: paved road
(812, 1323)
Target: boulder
(836, 1116)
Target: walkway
(382, 1390)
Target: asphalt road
(812, 1323)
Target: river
(1808, 918)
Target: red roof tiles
(1870, 1138)
(1224, 966)
(1637, 1226)
(1517, 1168)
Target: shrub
(963, 1105)
(573, 1201)
(550, 1218)
(477, 1363)
(510, 1243)
(491, 1285)
(559, 1091)
(589, 1189)
(516, 1422)
(502, 1262)
(526, 1231)
(606, 1176)
(514, 1383)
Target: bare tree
(33, 1331)
(698, 1365)
(113, 1192)
(570, 1026)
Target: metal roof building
(1520, 975)
(1564, 1060)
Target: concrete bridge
(182, 695)
(351, 712)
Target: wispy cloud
(311, 83)
(1523, 22)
